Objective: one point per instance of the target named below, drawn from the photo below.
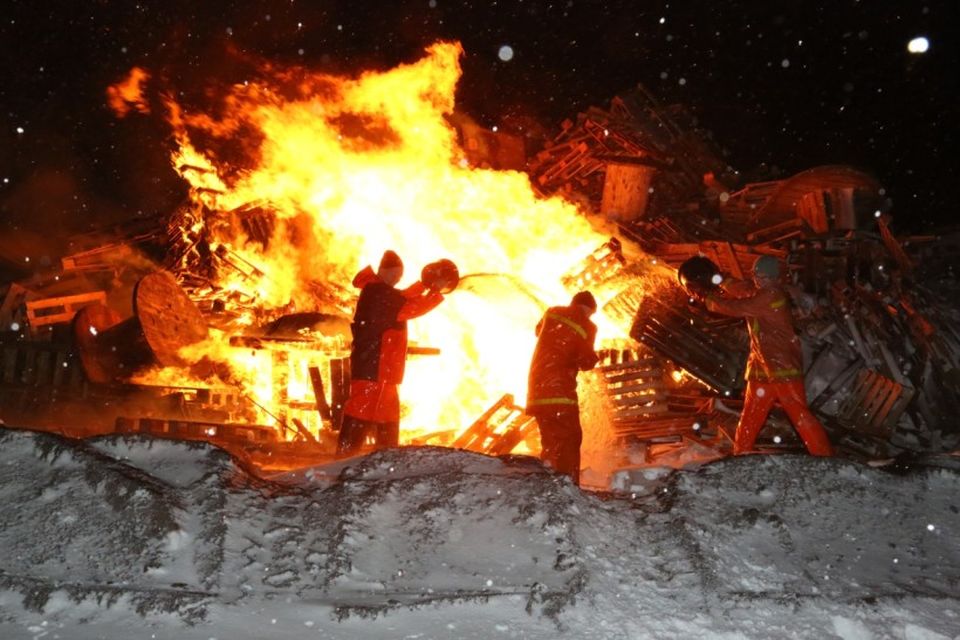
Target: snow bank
(128, 537)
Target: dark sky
(792, 83)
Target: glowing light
(505, 53)
(918, 45)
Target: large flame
(351, 166)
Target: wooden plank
(44, 365)
(28, 370)
(646, 365)
(653, 385)
(316, 380)
(10, 364)
(723, 255)
(61, 309)
(16, 296)
(60, 368)
(340, 389)
(654, 409)
(639, 374)
(776, 232)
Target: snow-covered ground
(132, 538)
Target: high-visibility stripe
(534, 403)
(787, 373)
(570, 323)
(778, 303)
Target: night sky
(789, 84)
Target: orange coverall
(378, 359)
(564, 347)
(775, 365)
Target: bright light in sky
(918, 45)
(505, 53)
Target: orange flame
(351, 166)
(127, 94)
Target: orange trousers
(757, 402)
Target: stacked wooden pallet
(712, 349)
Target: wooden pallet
(708, 348)
(635, 389)
(40, 364)
(60, 309)
(107, 257)
(875, 404)
(498, 430)
(206, 431)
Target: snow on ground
(123, 537)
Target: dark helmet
(390, 260)
(767, 267)
(584, 299)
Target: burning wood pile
(229, 320)
(881, 342)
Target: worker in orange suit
(775, 365)
(379, 352)
(565, 337)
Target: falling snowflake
(918, 45)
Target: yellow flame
(351, 166)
